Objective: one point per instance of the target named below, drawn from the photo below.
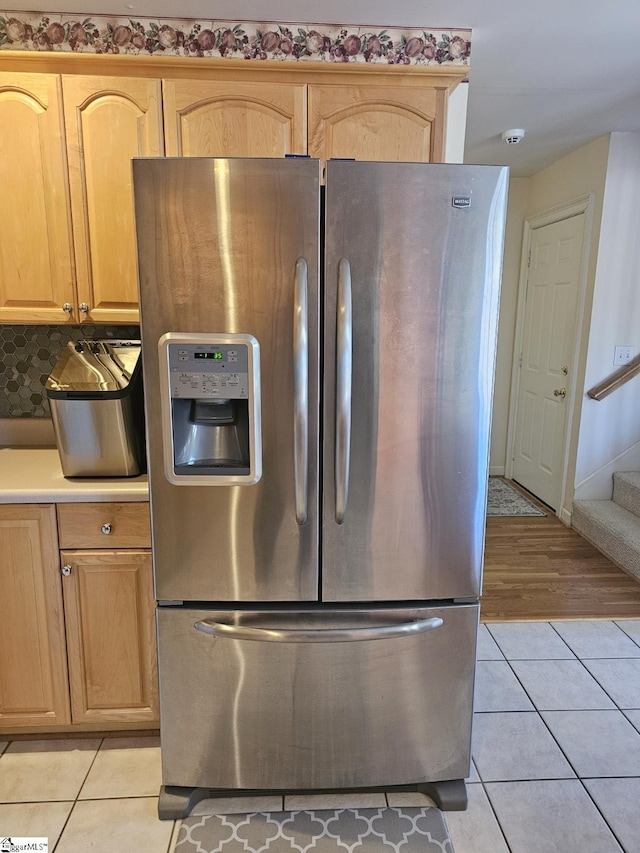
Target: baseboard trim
(565, 516)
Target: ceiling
(566, 71)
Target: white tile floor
(556, 752)
(556, 740)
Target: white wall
(605, 435)
(456, 124)
(610, 429)
(516, 212)
(580, 173)
(572, 177)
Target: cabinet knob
(66, 571)
(67, 308)
(106, 528)
(84, 308)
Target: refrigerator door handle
(344, 366)
(301, 391)
(317, 635)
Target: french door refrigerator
(318, 370)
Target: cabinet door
(33, 668)
(234, 119)
(36, 267)
(111, 645)
(109, 120)
(376, 123)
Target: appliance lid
(95, 369)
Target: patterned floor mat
(505, 500)
(383, 830)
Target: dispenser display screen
(209, 371)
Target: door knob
(560, 392)
(66, 571)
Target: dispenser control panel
(209, 371)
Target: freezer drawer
(299, 700)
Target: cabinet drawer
(104, 525)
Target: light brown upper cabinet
(375, 122)
(208, 118)
(67, 229)
(36, 265)
(108, 120)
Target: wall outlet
(621, 355)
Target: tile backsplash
(27, 356)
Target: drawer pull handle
(316, 635)
(106, 528)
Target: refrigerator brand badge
(461, 201)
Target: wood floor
(536, 568)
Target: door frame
(567, 210)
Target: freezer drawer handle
(344, 358)
(301, 391)
(317, 635)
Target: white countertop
(34, 475)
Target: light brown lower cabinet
(34, 688)
(111, 648)
(77, 627)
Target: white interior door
(547, 357)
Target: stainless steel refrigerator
(318, 369)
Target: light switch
(621, 355)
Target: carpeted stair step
(613, 530)
(626, 490)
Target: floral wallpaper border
(250, 40)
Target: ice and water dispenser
(210, 390)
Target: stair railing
(616, 380)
